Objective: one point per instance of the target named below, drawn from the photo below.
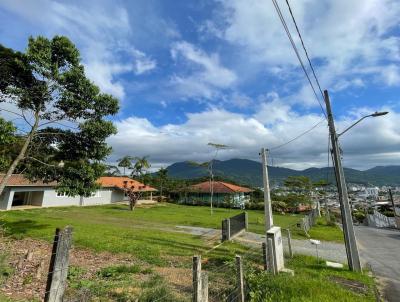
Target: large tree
(65, 115)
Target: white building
(370, 192)
(20, 191)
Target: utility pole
(392, 201)
(353, 257)
(267, 197)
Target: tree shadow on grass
(21, 227)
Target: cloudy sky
(192, 72)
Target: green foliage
(7, 138)
(312, 282)
(69, 113)
(125, 162)
(5, 269)
(113, 271)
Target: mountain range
(249, 172)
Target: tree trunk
(21, 154)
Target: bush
(359, 216)
(388, 213)
(116, 271)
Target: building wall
(47, 197)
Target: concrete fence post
(271, 258)
(239, 277)
(59, 262)
(289, 238)
(204, 287)
(246, 221)
(197, 279)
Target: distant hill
(249, 172)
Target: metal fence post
(289, 237)
(265, 256)
(197, 279)
(239, 276)
(58, 269)
(271, 258)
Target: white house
(20, 191)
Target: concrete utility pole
(267, 197)
(353, 257)
(392, 201)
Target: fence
(308, 221)
(379, 220)
(233, 226)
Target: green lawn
(148, 231)
(313, 282)
(149, 235)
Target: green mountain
(249, 172)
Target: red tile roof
(219, 187)
(18, 180)
(119, 182)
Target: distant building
(20, 191)
(371, 192)
(222, 192)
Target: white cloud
(207, 75)
(373, 142)
(143, 63)
(101, 31)
(341, 36)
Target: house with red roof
(20, 191)
(223, 192)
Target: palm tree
(140, 167)
(112, 170)
(163, 176)
(125, 162)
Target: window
(61, 194)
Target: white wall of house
(48, 197)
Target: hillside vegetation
(250, 173)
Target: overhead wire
(304, 47)
(298, 136)
(278, 10)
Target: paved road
(380, 248)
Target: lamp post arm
(347, 129)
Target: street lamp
(376, 114)
(353, 257)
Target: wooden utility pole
(353, 257)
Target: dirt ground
(30, 260)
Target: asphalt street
(380, 248)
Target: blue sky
(192, 72)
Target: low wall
(233, 226)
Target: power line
(298, 136)
(278, 10)
(304, 47)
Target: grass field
(313, 282)
(149, 235)
(146, 231)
